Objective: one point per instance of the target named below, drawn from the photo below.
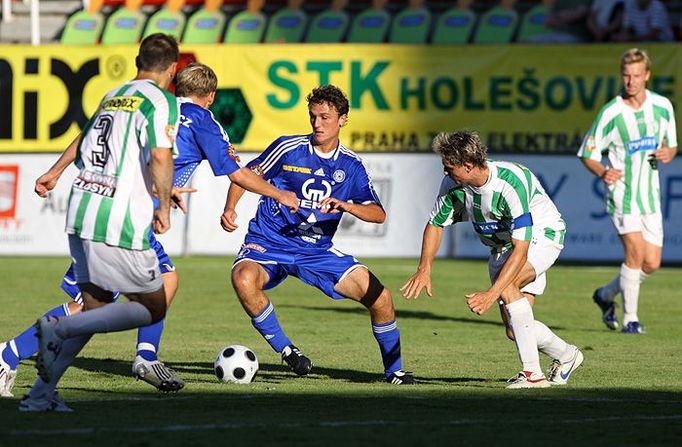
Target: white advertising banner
(579, 197)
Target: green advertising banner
(521, 98)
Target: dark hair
(330, 94)
(157, 52)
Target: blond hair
(457, 148)
(197, 80)
(633, 56)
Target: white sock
(70, 349)
(111, 317)
(629, 284)
(548, 342)
(610, 290)
(521, 321)
(643, 276)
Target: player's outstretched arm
(46, 182)
(249, 181)
(422, 278)
(368, 212)
(228, 220)
(162, 179)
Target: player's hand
(611, 176)
(289, 199)
(480, 302)
(665, 154)
(176, 198)
(228, 220)
(332, 205)
(161, 220)
(44, 184)
(413, 287)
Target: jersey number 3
(100, 155)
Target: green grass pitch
(628, 391)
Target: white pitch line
(333, 424)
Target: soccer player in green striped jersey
(125, 151)
(512, 214)
(634, 132)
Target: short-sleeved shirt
(628, 138)
(292, 164)
(201, 137)
(111, 198)
(511, 205)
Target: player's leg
(634, 247)
(362, 286)
(253, 272)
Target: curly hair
(330, 94)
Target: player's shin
(521, 320)
(629, 284)
(148, 340)
(387, 336)
(69, 350)
(549, 343)
(267, 324)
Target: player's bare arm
(422, 278)
(608, 175)
(368, 212)
(162, 179)
(46, 182)
(228, 220)
(480, 302)
(249, 181)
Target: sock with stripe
(148, 340)
(388, 337)
(267, 324)
(25, 344)
(522, 322)
(629, 284)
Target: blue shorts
(70, 286)
(319, 268)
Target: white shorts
(542, 254)
(650, 225)
(113, 268)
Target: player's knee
(651, 266)
(243, 279)
(74, 308)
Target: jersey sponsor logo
(339, 176)
(257, 247)
(491, 227)
(232, 153)
(299, 169)
(103, 185)
(122, 103)
(643, 144)
(314, 191)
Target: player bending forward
(513, 215)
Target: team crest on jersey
(171, 132)
(339, 176)
(590, 144)
(232, 153)
(258, 170)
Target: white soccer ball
(236, 364)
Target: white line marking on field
(379, 422)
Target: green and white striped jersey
(512, 204)
(111, 198)
(628, 137)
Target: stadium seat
(411, 25)
(455, 25)
(330, 25)
(371, 25)
(125, 25)
(533, 23)
(206, 24)
(85, 26)
(498, 24)
(168, 20)
(247, 26)
(288, 24)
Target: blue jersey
(292, 164)
(201, 137)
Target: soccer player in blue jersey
(329, 180)
(200, 137)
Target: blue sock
(148, 339)
(25, 344)
(388, 337)
(267, 324)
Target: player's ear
(342, 120)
